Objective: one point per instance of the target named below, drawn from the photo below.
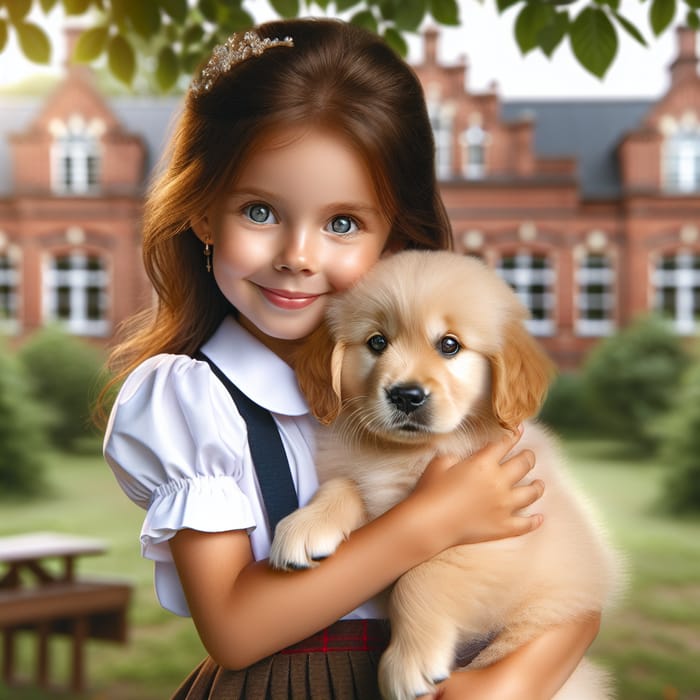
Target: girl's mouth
(290, 301)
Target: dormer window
(75, 156)
(474, 152)
(682, 160)
(441, 122)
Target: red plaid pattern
(345, 635)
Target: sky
(486, 40)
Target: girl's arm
(535, 671)
(244, 610)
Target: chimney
(73, 67)
(430, 39)
(685, 67)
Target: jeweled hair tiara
(238, 47)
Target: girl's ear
(201, 229)
(521, 374)
(318, 366)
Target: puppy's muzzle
(407, 397)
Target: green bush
(567, 408)
(633, 376)
(680, 446)
(22, 431)
(66, 374)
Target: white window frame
(587, 301)
(77, 281)
(683, 283)
(473, 142)
(441, 122)
(9, 294)
(76, 160)
(522, 277)
(682, 161)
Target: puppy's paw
(405, 676)
(302, 540)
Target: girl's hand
(535, 671)
(479, 498)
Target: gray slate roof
(589, 130)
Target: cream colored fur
(373, 452)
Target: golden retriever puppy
(429, 354)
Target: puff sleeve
(176, 444)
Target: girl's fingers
(519, 465)
(527, 494)
(522, 524)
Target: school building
(590, 209)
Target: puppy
(429, 354)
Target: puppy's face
(426, 344)
(408, 379)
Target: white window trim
(683, 278)
(587, 327)
(11, 276)
(78, 279)
(521, 278)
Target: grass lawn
(651, 641)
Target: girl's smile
(288, 300)
(301, 221)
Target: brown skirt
(338, 663)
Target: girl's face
(300, 222)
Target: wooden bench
(80, 609)
(50, 600)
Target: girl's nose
(298, 254)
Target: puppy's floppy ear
(521, 373)
(317, 366)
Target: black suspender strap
(269, 457)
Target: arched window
(474, 152)
(75, 156)
(682, 160)
(9, 294)
(441, 122)
(676, 282)
(595, 296)
(75, 294)
(532, 278)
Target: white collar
(260, 374)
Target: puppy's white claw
(301, 542)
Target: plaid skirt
(338, 663)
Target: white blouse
(178, 448)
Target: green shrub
(632, 377)
(66, 374)
(567, 408)
(22, 431)
(680, 447)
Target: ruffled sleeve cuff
(205, 503)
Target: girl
(303, 154)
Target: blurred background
(582, 191)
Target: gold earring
(207, 255)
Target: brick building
(589, 208)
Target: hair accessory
(238, 47)
(207, 255)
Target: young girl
(303, 154)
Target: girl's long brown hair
(336, 76)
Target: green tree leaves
(592, 30)
(171, 37)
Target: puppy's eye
(449, 346)
(377, 343)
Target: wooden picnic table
(41, 591)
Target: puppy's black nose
(406, 397)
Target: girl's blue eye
(343, 225)
(260, 214)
